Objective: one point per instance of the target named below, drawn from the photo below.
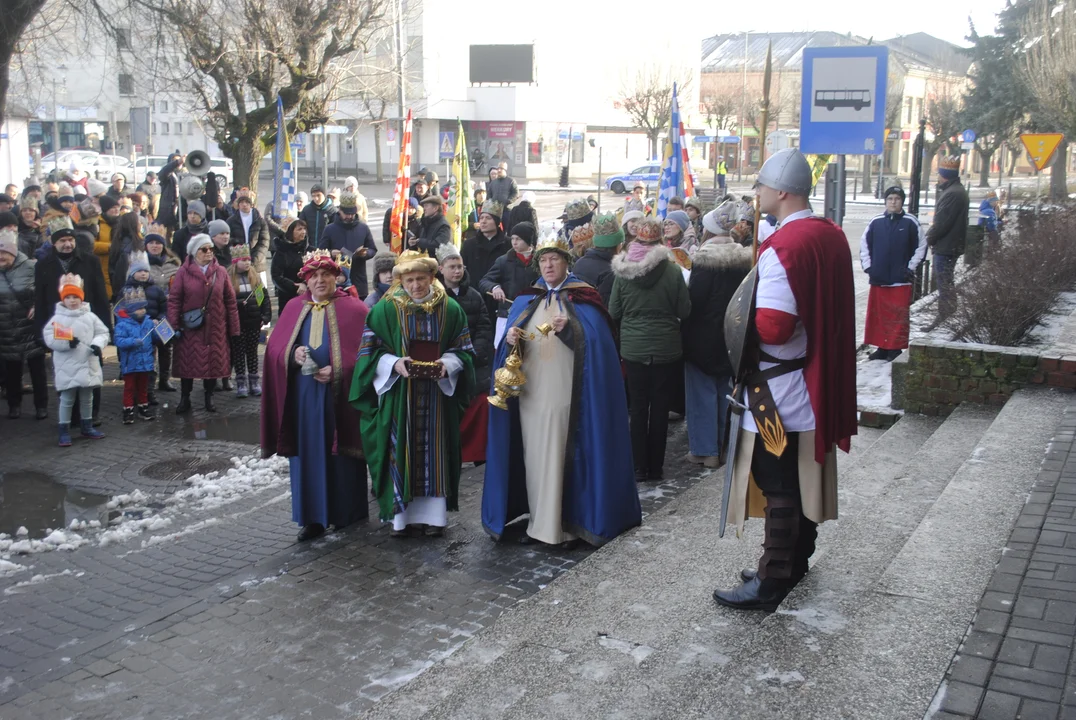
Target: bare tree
(647, 100)
(239, 57)
(721, 110)
(15, 18)
(942, 114)
(1049, 69)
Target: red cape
(815, 255)
(278, 410)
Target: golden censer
(509, 380)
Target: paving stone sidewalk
(1017, 659)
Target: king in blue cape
(561, 451)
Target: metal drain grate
(176, 470)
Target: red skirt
(473, 430)
(888, 317)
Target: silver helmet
(787, 170)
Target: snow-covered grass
(204, 492)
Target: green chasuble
(411, 433)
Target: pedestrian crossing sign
(1041, 147)
(447, 145)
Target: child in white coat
(75, 335)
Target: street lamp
(56, 119)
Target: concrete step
(871, 631)
(633, 631)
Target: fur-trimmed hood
(722, 256)
(649, 267)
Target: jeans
(707, 408)
(13, 381)
(944, 269)
(67, 402)
(650, 387)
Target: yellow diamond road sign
(1041, 147)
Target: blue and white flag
(284, 171)
(675, 173)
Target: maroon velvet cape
(278, 416)
(814, 253)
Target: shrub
(1008, 295)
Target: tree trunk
(1058, 177)
(247, 154)
(377, 152)
(653, 145)
(1014, 157)
(868, 161)
(984, 170)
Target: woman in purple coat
(203, 351)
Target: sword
(736, 411)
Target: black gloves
(96, 351)
(73, 342)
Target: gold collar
(405, 302)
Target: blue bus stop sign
(842, 109)
(967, 136)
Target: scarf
(317, 323)
(525, 259)
(638, 250)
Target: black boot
(144, 413)
(128, 416)
(184, 404)
(164, 385)
(209, 406)
(226, 384)
(151, 398)
(754, 594)
(879, 354)
(311, 531)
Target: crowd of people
(552, 357)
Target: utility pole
(397, 7)
(743, 112)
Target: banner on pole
(398, 223)
(460, 197)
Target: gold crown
(949, 162)
(240, 252)
(314, 255)
(552, 242)
(606, 224)
(71, 280)
(344, 261)
(414, 261)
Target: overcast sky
(946, 19)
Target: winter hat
(949, 167)
(4, 198)
(680, 218)
(107, 202)
(648, 230)
(240, 252)
(9, 242)
(722, 218)
(446, 252)
(349, 202)
(198, 241)
(88, 210)
(197, 207)
(694, 202)
(607, 232)
(631, 215)
(71, 284)
(412, 201)
(492, 208)
(134, 298)
(384, 260)
(139, 261)
(216, 227)
(302, 198)
(95, 187)
(528, 197)
(9, 219)
(898, 190)
(434, 200)
(351, 181)
(526, 232)
(155, 233)
(60, 226)
(74, 167)
(65, 193)
(30, 190)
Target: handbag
(193, 319)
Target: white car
(108, 165)
(84, 157)
(222, 167)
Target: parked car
(649, 174)
(224, 168)
(108, 165)
(87, 157)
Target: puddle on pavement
(37, 502)
(244, 429)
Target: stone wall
(935, 378)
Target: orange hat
(71, 284)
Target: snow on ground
(134, 516)
(874, 385)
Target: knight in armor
(791, 335)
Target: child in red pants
(134, 338)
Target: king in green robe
(411, 426)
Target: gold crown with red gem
(318, 260)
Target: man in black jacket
(948, 232)
(348, 234)
(435, 228)
(171, 212)
(596, 266)
(317, 214)
(47, 273)
(481, 251)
